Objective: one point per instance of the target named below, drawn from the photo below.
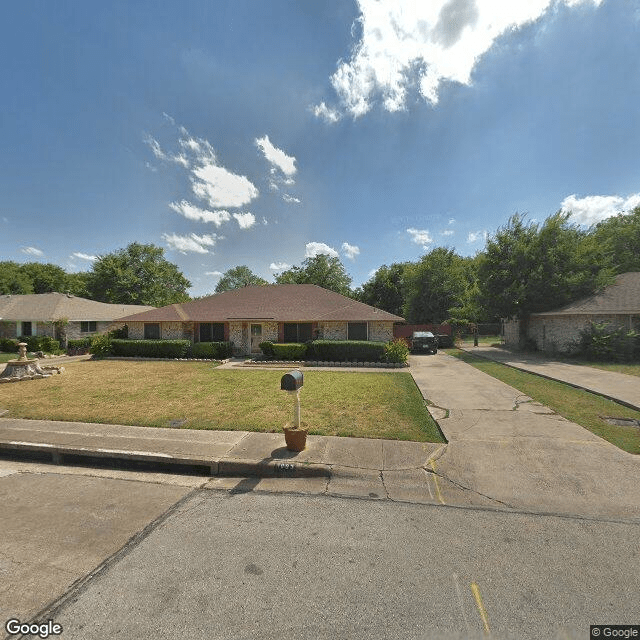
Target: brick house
(251, 315)
(38, 315)
(555, 331)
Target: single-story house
(555, 331)
(250, 315)
(59, 315)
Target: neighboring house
(251, 315)
(617, 304)
(59, 315)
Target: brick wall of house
(270, 331)
(136, 330)
(7, 329)
(381, 331)
(333, 330)
(239, 335)
(72, 330)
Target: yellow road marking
(435, 481)
(483, 614)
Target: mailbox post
(292, 382)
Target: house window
(357, 331)
(152, 331)
(26, 329)
(88, 326)
(297, 331)
(211, 332)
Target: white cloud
(326, 113)
(447, 232)
(350, 250)
(84, 256)
(452, 220)
(415, 46)
(279, 266)
(168, 118)
(213, 274)
(32, 251)
(221, 188)
(276, 157)
(474, 236)
(245, 220)
(593, 209)
(192, 212)
(420, 236)
(316, 248)
(264, 221)
(291, 199)
(191, 243)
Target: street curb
(64, 454)
(624, 403)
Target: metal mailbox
(291, 381)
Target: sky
(263, 133)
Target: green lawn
(579, 406)
(5, 357)
(368, 405)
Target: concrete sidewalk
(622, 388)
(386, 468)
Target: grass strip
(199, 396)
(579, 406)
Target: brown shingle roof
(621, 297)
(278, 302)
(46, 307)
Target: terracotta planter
(296, 439)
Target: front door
(256, 337)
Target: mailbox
(291, 381)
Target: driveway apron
(519, 454)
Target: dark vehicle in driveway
(424, 342)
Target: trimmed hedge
(151, 348)
(9, 345)
(267, 348)
(40, 343)
(79, 343)
(289, 351)
(346, 350)
(214, 350)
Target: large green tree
(239, 277)
(46, 278)
(323, 270)
(385, 290)
(13, 280)
(433, 285)
(620, 236)
(527, 268)
(138, 274)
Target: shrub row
(338, 351)
(215, 350)
(34, 343)
(105, 345)
(603, 341)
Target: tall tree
(527, 269)
(45, 278)
(385, 290)
(323, 270)
(13, 280)
(138, 274)
(434, 285)
(620, 235)
(239, 277)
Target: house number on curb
(285, 466)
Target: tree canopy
(323, 270)
(620, 237)
(385, 290)
(239, 277)
(138, 274)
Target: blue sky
(261, 133)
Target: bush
(346, 350)
(9, 345)
(101, 345)
(151, 348)
(40, 343)
(396, 351)
(121, 333)
(267, 348)
(78, 346)
(213, 350)
(604, 341)
(289, 351)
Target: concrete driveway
(516, 453)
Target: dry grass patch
(200, 396)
